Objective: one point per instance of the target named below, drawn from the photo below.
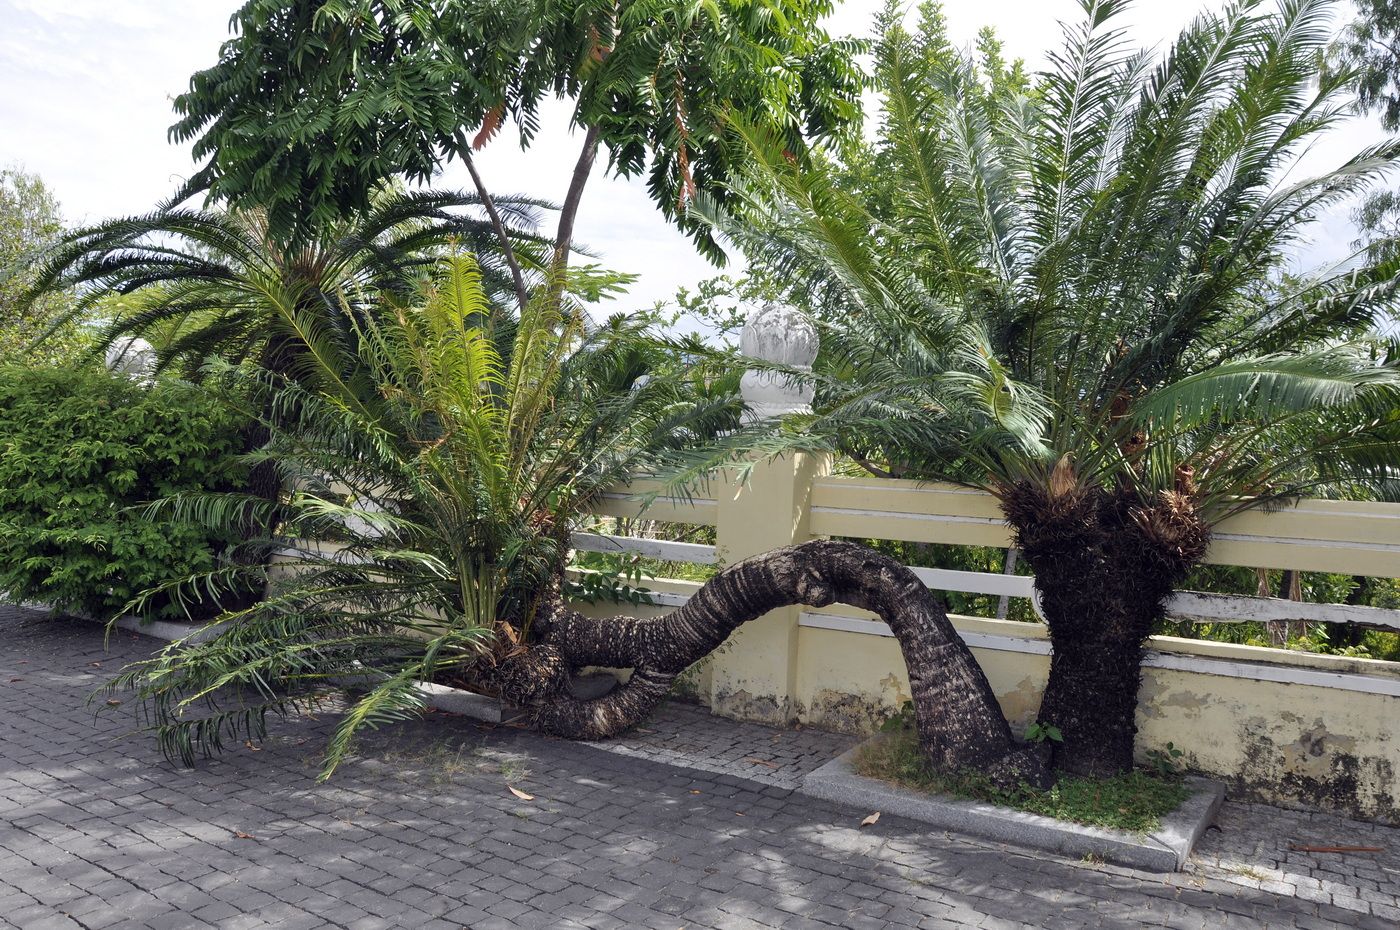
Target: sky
(86, 89)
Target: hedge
(80, 452)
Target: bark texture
(1105, 564)
(959, 721)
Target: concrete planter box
(1166, 850)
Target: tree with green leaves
(29, 221)
(1075, 299)
(1369, 47)
(313, 105)
(1368, 51)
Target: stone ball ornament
(784, 336)
(133, 357)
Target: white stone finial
(132, 356)
(784, 336)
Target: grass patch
(1135, 802)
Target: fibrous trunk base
(1105, 563)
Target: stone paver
(1252, 845)
(97, 831)
(690, 736)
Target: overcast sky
(86, 86)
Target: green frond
(1267, 388)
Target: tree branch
(521, 294)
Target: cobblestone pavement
(1252, 847)
(96, 831)
(689, 735)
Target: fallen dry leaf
(520, 794)
(13, 680)
(251, 748)
(114, 703)
(771, 765)
(870, 821)
(240, 835)
(695, 791)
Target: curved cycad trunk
(959, 722)
(1104, 564)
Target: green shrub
(79, 452)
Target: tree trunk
(1352, 634)
(568, 211)
(959, 721)
(264, 481)
(522, 296)
(1104, 565)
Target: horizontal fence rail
(1344, 681)
(651, 548)
(644, 497)
(1356, 538)
(1200, 607)
(1312, 535)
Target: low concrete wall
(1323, 732)
(1284, 727)
(1281, 726)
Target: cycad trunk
(264, 480)
(1104, 564)
(959, 721)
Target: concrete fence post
(755, 676)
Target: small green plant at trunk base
(1039, 732)
(1135, 801)
(1164, 761)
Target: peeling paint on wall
(761, 708)
(1021, 704)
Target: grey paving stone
(420, 831)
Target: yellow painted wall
(1284, 743)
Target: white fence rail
(1192, 606)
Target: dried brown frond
(490, 125)
(1063, 480)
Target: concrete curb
(1166, 850)
(165, 629)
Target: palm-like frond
(198, 282)
(1104, 256)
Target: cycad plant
(200, 283)
(1107, 252)
(437, 460)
